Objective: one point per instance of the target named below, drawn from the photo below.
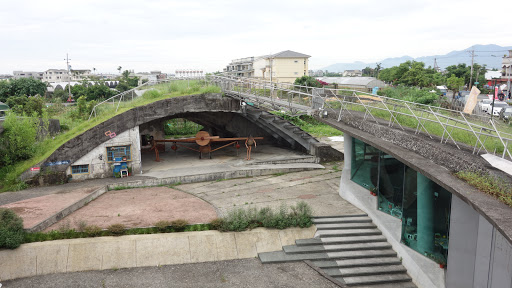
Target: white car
(497, 108)
(484, 104)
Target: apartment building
(285, 66)
(56, 75)
(28, 74)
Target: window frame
(128, 155)
(80, 167)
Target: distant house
(285, 66)
(352, 73)
(365, 84)
(3, 109)
(56, 75)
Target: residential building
(285, 66)
(506, 65)
(27, 74)
(352, 73)
(56, 75)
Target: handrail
(298, 98)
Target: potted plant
(117, 175)
(129, 171)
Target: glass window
(119, 153)
(426, 216)
(365, 164)
(79, 169)
(391, 185)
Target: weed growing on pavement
(488, 184)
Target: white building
(26, 74)
(56, 75)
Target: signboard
(35, 168)
(471, 100)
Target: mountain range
(490, 55)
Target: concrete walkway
(225, 274)
(319, 188)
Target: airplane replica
(204, 140)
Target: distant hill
(483, 55)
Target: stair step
(347, 232)
(376, 279)
(393, 285)
(292, 249)
(362, 271)
(335, 226)
(340, 216)
(340, 240)
(359, 254)
(298, 131)
(359, 219)
(279, 120)
(280, 256)
(366, 262)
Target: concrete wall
(478, 254)
(142, 250)
(97, 158)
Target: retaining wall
(142, 250)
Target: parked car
(497, 108)
(505, 113)
(484, 104)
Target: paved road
(234, 273)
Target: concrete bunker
(93, 153)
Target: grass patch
(311, 125)
(488, 184)
(9, 176)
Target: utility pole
(471, 76)
(69, 78)
(435, 65)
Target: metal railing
(451, 125)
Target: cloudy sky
(167, 35)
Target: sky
(168, 35)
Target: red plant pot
(442, 266)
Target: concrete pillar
(347, 151)
(425, 188)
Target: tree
(22, 86)
(307, 81)
(454, 83)
(18, 139)
(126, 74)
(378, 67)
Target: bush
(179, 224)
(11, 229)
(117, 229)
(216, 224)
(241, 219)
(93, 230)
(162, 226)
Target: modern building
(365, 84)
(446, 233)
(27, 74)
(56, 75)
(285, 66)
(352, 73)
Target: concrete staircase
(281, 129)
(351, 250)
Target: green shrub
(163, 225)
(93, 230)
(179, 224)
(241, 219)
(11, 229)
(117, 229)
